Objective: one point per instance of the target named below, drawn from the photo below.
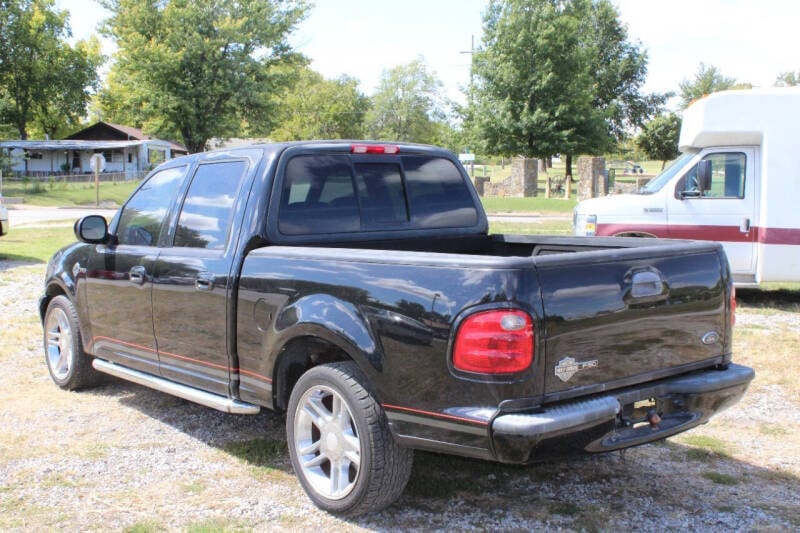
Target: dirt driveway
(122, 457)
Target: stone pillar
(542, 166)
(548, 186)
(524, 172)
(591, 182)
(480, 184)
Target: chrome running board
(220, 403)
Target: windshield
(655, 184)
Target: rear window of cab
(342, 193)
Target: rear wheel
(69, 367)
(340, 443)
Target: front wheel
(340, 443)
(69, 367)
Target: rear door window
(205, 218)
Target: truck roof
(740, 118)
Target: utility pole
(471, 53)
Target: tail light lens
(494, 342)
(374, 149)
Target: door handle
(204, 281)
(646, 287)
(745, 227)
(137, 275)
(645, 284)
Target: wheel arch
(640, 234)
(298, 355)
(318, 329)
(52, 290)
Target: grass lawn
(545, 227)
(34, 245)
(54, 194)
(498, 173)
(538, 204)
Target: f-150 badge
(569, 366)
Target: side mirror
(92, 229)
(704, 175)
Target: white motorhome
(737, 182)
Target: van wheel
(69, 367)
(340, 443)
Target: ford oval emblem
(710, 338)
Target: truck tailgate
(615, 319)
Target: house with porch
(127, 151)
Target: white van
(737, 182)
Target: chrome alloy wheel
(326, 442)
(59, 343)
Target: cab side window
(207, 211)
(142, 218)
(727, 177)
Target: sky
(750, 40)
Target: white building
(127, 151)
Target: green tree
(659, 138)
(557, 76)
(61, 111)
(707, 80)
(43, 80)
(619, 70)
(199, 69)
(114, 103)
(316, 108)
(407, 106)
(788, 79)
(531, 85)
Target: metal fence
(56, 177)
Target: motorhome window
(655, 185)
(727, 177)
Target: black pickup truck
(354, 286)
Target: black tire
(69, 366)
(331, 412)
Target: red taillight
(374, 149)
(494, 342)
(733, 306)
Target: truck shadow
(11, 261)
(257, 440)
(778, 299)
(645, 484)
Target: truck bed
(609, 312)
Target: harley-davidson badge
(569, 366)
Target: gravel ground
(123, 457)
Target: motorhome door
(721, 207)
